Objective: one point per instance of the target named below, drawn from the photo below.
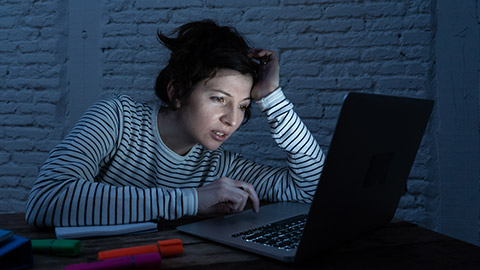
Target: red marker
(165, 248)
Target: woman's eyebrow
(227, 94)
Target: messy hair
(198, 51)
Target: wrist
(266, 92)
(271, 100)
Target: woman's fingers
(263, 56)
(268, 76)
(239, 193)
(226, 195)
(252, 194)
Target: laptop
(371, 153)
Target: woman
(127, 162)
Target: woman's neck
(172, 132)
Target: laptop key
(284, 234)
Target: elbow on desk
(30, 220)
(36, 212)
(48, 203)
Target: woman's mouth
(219, 135)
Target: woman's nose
(230, 116)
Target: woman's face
(215, 109)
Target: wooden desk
(400, 245)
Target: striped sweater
(113, 168)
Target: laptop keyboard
(284, 234)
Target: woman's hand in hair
(226, 196)
(268, 71)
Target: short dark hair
(200, 49)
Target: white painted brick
(304, 2)
(168, 4)
(47, 96)
(147, 29)
(418, 21)
(46, 145)
(361, 83)
(7, 22)
(389, 68)
(34, 133)
(139, 80)
(13, 95)
(33, 158)
(5, 158)
(227, 16)
(416, 38)
(116, 30)
(12, 206)
(417, 69)
(12, 10)
(239, 4)
(27, 182)
(47, 33)
(282, 13)
(153, 16)
(385, 24)
(301, 69)
(124, 17)
(400, 83)
(385, 9)
(16, 120)
(295, 41)
(379, 54)
(43, 8)
(416, 53)
(23, 34)
(18, 194)
(118, 81)
(289, 56)
(47, 121)
(39, 108)
(344, 10)
(36, 21)
(9, 181)
(6, 48)
(34, 58)
(110, 42)
(120, 55)
(312, 83)
(7, 107)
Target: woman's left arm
(305, 158)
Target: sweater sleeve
(67, 192)
(305, 158)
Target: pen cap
(170, 247)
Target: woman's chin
(212, 146)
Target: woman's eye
(243, 107)
(218, 99)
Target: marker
(166, 248)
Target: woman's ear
(171, 95)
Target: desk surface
(399, 245)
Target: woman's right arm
(66, 192)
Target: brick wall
(32, 89)
(326, 49)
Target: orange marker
(165, 247)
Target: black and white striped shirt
(113, 168)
